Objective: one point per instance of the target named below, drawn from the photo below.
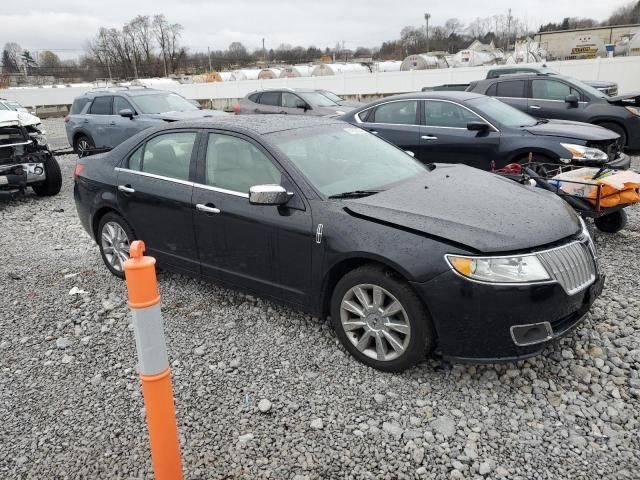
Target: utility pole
(427, 16)
(508, 29)
(264, 52)
(209, 54)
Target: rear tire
(612, 223)
(536, 158)
(114, 237)
(614, 127)
(82, 145)
(393, 331)
(53, 181)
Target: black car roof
(438, 95)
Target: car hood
(11, 118)
(192, 115)
(332, 111)
(627, 99)
(569, 129)
(479, 210)
(351, 104)
(599, 83)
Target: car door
(397, 122)
(547, 100)
(123, 128)
(511, 92)
(269, 102)
(154, 195)
(446, 138)
(266, 249)
(98, 121)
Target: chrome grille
(571, 265)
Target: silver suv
(292, 101)
(102, 119)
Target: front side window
(168, 155)
(102, 106)
(270, 98)
(120, 104)
(291, 100)
(235, 164)
(337, 159)
(163, 103)
(402, 113)
(512, 89)
(551, 90)
(135, 159)
(501, 113)
(446, 114)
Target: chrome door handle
(535, 107)
(207, 209)
(126, 189)
(428, 137)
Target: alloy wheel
(83, 147)
(375, 322)
(115, 245)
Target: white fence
(623, 70)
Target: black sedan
(406, 258)
(480, 131)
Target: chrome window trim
(460, 105)
(182, 182)
(532, 98)
(359, 120)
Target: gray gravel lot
(263, 391)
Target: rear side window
(270, 98)
(254, 97)
(79, 104)
(491, 91)
(403, 113)
(514, 89)
(102, 106)
(121, 103)
(168, 155)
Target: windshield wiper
(355, 194)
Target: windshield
(316, 99)
(338, 159)
(588, 89)
(163, 103)
(331, 96)
(501, 112)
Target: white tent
(245, 74)
(423, 61)
(296, 71)
(390, 66)
(326, 69)
(269, 73)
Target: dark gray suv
(102, 119)
(566, 98)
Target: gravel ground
(263, 391)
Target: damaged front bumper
(20, 175)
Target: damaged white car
(25, 157)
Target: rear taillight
(66, 119)
(78, 170)
(236, 108)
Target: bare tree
(161, 32)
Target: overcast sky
(65, 25)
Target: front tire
(380, 320)
(114, 237)
(53, 181)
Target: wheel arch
(617, 123)
(97, 216)
(81, 132)
(524, 152)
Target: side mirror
(196, 103)
(268, 195)
(410, 153)
(571, 100)
(477, 126)
(126, 113)
(303, 105)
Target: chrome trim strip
(15, 144)
(539, 99)
(183, 182)
(547, 327)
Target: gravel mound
(263, 391)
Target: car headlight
(511, 269)
(580, 152)
(634, 110)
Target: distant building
(582, 42)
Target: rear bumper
(474, 321)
